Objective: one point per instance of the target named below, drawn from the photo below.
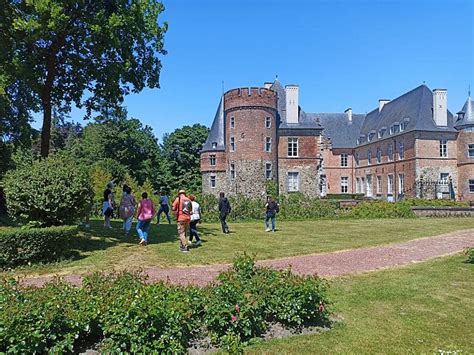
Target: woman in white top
(195, 219)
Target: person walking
(164, 207)
(224, 210)
(127, 208)
(182, 208)
(108, 206)
(272, 208)
(146, 211)
(195, 219)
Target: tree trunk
(46, 130)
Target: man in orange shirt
(182, 208)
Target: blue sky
(341, 53)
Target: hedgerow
(125, 314)
(22, 246)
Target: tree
(182, 149)
(83, 52)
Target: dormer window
(395, 128)
(382, 132)
(371, 136)
(214, 145)
(402, 126)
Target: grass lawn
(98, 249)
(426, 308)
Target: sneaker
(199, 242)
(190, 242)
(267, 230)
(183, 250)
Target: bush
(23, 246)
(420, 202)
(345, 196)
(381, 209)
(52, 191)
(470, 255)
(127, 315)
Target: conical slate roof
(215, 139)
(468, 119)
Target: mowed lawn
(425, 308)
(98, 249)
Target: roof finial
(424, 82)
(469, 91)
(276, 77)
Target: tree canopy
(56, 53)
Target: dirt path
(327, 264)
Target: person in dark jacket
(272, 208)
(224, 210)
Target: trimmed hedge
(126, 315)
(22, 246)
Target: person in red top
(182, 208)
(146, 211)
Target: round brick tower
(251, 140)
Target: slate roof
(414, 108)
(342, 132)
(468, 119)
(216, 134)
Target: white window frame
(401, 184)
(390, 152)
(212, 160)
(268, 122)
(379, 185)
(357, 159)
(470, 150)
(268, 171)
(470, 183)
(369, 187)
(379, 155)
(293, 147)
(344, 160)
(268, 144)
(390, 184)
(401, 151)
(344, 184)
(443, 148)
(232, 171)
(212, 181)
(357, 185)
(232, 144)
(369, 157)
(232, 122)
(294, 181)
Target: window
(293, 181)
(344, 159)
(470, 150)
(471, 185)
(369, 185)
(379, 185)
(268, 144)
(403, 126)
(444, 177)
(390, 152)
(268, 122)
(358, 141)
(357, 185)
(357, 159)
(214, 145)
(292, 147)
(268, 171)
(232, 144)
(382, 132)
(344, 184)
(371, 136)
(362, 185)
(401, 151)
(443, 148)
(232, 171)
(395, 128)
(212, 181)
(212, 160)
(390, 185)
(401, 184)
(369, 157)
(232, 122)
(379, 155)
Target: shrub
(419, 202)
(345, 196)
(52, 191)
(23, 246)
(381, 209)
(470, 255)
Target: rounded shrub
(51, 191)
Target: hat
(181, 192)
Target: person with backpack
(146, 211)
(182, 208)
(195, 219)
(164, 208)
(272, 208)
(224, 210)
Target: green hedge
(470, 255)
(126, 315)
(22, 246)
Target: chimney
(292, 111)
(440, 107)
(267, 85)
(349, 113)
(382, 103)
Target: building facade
(410, 146)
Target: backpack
(187, 207)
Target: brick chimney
(349, 114)
(267, 85)
(440, 107)
(292, 112)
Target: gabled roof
(415, 108)
(216, 134)
(468, 119)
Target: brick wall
(465, 166)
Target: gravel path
(327, 264)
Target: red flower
(233, 318)
(321, 307)
(237, 308)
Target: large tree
(82, 52)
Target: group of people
(186, 209)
